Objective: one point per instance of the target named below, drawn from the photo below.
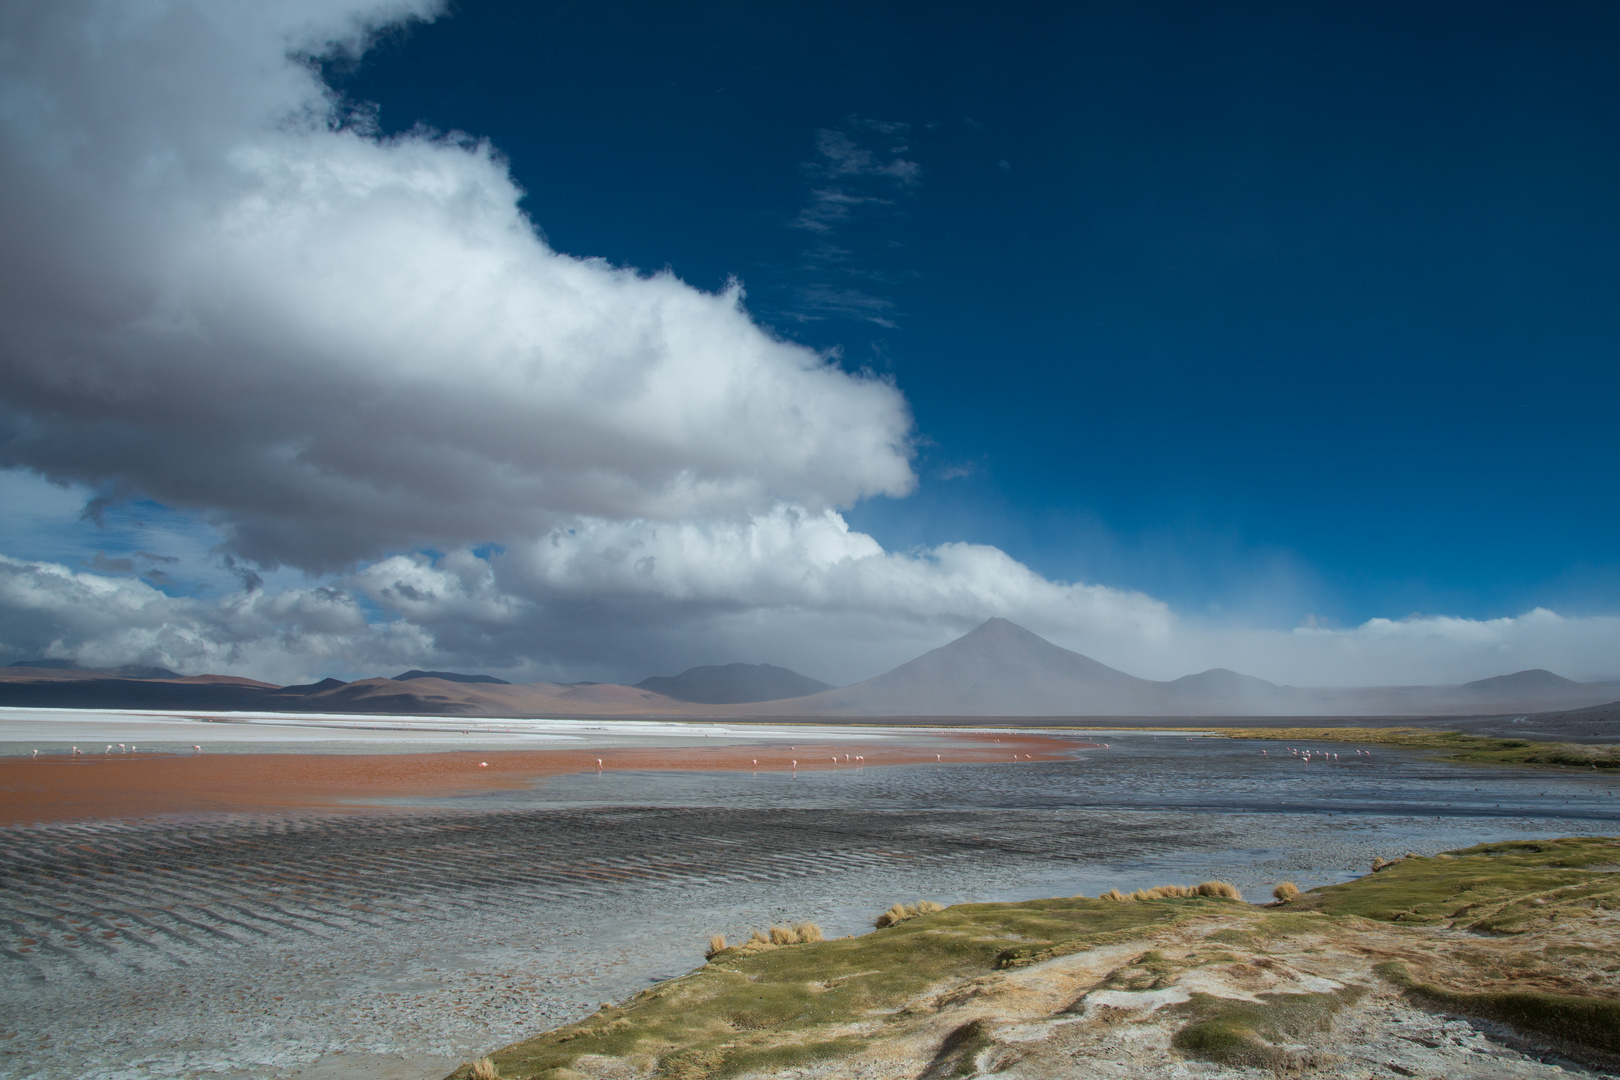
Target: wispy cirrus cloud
(858, 177)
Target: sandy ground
(104, 784)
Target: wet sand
(117, 786)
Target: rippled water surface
(398, 942)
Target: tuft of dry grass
(1163, 892)
(1285, 891)
(899, 913)
(484, 1069)
(776, 937)
(1219, 889)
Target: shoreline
(102, 786)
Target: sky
(570, 342)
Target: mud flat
(105, 784)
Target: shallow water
(1136, 771)
(399, 942)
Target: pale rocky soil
(1089, 1016)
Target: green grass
(1494, 888)
(1575, 1020)
(740, 1012)
(1242, 1033)
(799, 1004)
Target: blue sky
(1308, 308)
(1272, 336)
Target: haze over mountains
(734, 684)
(999, 669)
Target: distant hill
(997, 669)
(1002, 669)
(450, 676)
(733, 684)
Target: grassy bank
(1458, 747)
(1542, 915)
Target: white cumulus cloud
(338, 345)
(355, 357)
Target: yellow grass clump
(798, 934)
(765, 940)
(484, 1069)
(1222, 890)
(1285, 891)
(1219, 889)
(899, 913)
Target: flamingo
(936, 757)
(108, 750)
(75, 751)
(795, 764)
(36, 753)
(756, 763)
(598, 764)
(196, 749)
(483, 764)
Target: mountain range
(998, 669)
